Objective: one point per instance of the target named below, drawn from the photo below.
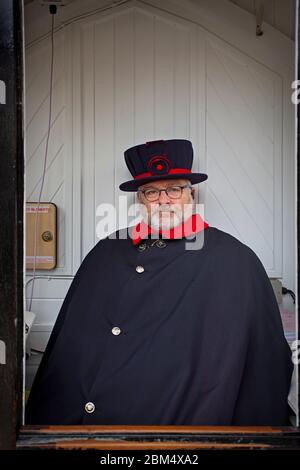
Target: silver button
(116, 330)
(89, 407)
(140, 269)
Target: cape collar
(191, 226)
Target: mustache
(164, 209)
(177, 211)
(168, 209)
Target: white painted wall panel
(244, 158)
(58, 178)
(104, 114)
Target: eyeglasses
(173, 192)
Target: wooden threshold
(158, 437)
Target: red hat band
(160, 165)
(172, 171)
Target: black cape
(201, 340)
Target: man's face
(167, 212)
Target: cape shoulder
(220, 246)
(230, 250)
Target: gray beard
(169, 221)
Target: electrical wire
(50, 278)
(73, 19)
(45, 157)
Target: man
(176, 324)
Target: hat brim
(133, 185)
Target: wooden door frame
(12, 434)
(11, 220)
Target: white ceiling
(278, 13)
(281, 14)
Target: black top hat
(158, 160)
